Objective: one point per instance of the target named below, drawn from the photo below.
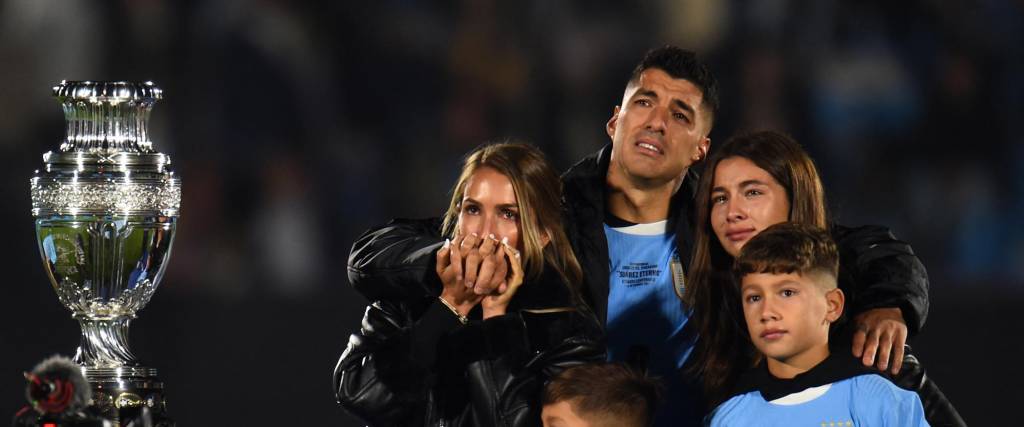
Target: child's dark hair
(606, 394)
(789, 248)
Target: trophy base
(126, 393)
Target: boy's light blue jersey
(863, 400)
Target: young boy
(787, 282)
(599, 395)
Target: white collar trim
(802, 396)
(650, 229)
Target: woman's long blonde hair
(538, 193)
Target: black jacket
(396, 261)
(876, 270)
(414, 364)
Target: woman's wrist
(459, 310)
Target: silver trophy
(106, 208)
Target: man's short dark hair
(681, 64)
(606, 394)
(789, 248)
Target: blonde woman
(459, 358)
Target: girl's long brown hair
(724, 350)
(538, 192)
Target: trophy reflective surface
(105, 208)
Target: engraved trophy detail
(106, 208)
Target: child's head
(787, 277)
(599, 395)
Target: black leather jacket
(396, 261)
(414, 364)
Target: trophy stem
(105, 343)
(121, 388)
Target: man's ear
(704, 146)
(612, 123)
(836, 300)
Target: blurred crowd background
(298, 125)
